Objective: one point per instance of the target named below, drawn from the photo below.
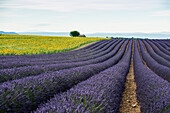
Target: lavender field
(88, 80)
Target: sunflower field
(29, 44)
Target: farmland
(29, 45)
(88, 80)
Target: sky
(86, 16)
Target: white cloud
(72, 5)
(8, 14)
(20, 19)
(162, 13)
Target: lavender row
(49, 60)
(27, 93)
(17, 73)
(59, 56)
(156, 57)
(153, 92)
(159, 69)
(7, 63)
(157, 51)
(161, 48)
(167, 42)
(163, 45)
(30, 62)
(99, 94)
(97, 53)
(10, 62)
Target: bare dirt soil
(129, 102)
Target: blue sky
(86, 16)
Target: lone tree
(74, 33)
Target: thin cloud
(74, 5)
(41, 25)
(8, 14)
(162, 13)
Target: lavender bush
(89, 80)
(160, 53)
(157, 58)
(164, 45)
(22, 60)
(27, 93)
(161, 48)
(99, 94)
(153, 65)
(153, 92)
(16, 73)
(31, 62)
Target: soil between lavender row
(129, 102)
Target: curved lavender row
(162, 41)
(159, 69)
(99, 94)
(156, 57)
(27, 93)
(153, 92)
(163, 45)
(55, 57)
(95, 47)
(104, 50)
(157, 51)
(167, 42)
(10, 62)
(49, 57)
(17, 73)
(161, 48)
(91, 46)
(59, 56)
(28, 62)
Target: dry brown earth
(129, 102)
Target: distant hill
(2, 32)
(158, 35)
(45, 33)
(163, 35)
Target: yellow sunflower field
(29, 44)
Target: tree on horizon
(74, 33)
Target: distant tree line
(124, 38)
